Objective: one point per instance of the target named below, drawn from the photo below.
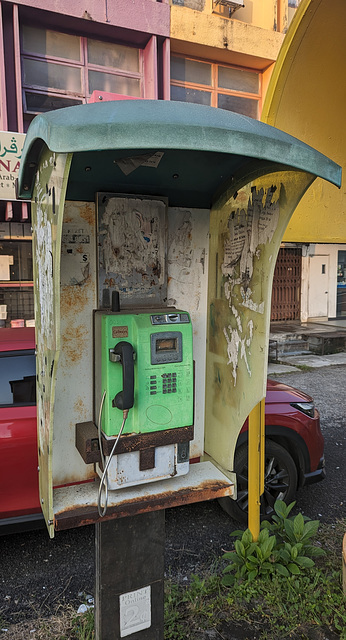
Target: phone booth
(156, 227)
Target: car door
(19, 495)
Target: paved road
(38, 574)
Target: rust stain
(75, 296)
(79, 408)
(109, 282)
(73, 339)
(87, 212)
(77, 516)
(71, 479)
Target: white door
(318, 286)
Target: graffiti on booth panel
(48, 189)
(132, 246)
(252, 222)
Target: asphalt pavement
(41, 576)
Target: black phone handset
(123, 353)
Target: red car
(293, 452)
(19, 495)
(294, 443)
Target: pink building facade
(58, 54)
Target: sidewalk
(293, 363)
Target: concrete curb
(293, 363)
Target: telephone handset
(123, 352)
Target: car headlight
(306, 407)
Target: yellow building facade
(227, 35)
(223, 54)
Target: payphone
(144, 394)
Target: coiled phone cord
(104, 478)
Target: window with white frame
(60, 69)
(216, 85)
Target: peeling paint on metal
(246, 229)
(48, 197)
(251, 225)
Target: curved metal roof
(202, 148)
(306, 98)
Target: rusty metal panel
(87, 441)
(74, 390)
(47, 207)
(188, 244)
(287, 285)
(132, 242)
(77, 506)
(247, 225)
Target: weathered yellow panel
(246, 231)
(48, 202)
(306, 98)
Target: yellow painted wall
(267, 14)
(207, 35)
(306, 98)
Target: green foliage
(83, 626)
(287, 552)
(277, 589)
(250, 559)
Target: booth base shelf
(76, 505)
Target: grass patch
(64, 626)
(307, 606)
(303, 367)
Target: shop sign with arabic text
(11, 146)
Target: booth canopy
(185, 152)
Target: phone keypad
(169, 384)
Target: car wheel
(280, 482)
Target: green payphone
(144, 392)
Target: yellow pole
(256, 466)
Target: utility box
(176, 211)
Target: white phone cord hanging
(104, 478)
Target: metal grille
(286, 285)
(19, 302)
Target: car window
(17, 378)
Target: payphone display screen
(166, 344)
(166, 347)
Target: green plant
(282, 511)
(286, 552)
(249, 559)
(294, 531)
(272, 605)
